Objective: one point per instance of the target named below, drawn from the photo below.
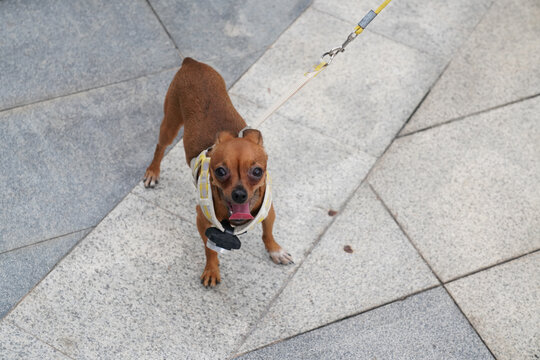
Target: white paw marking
(281, 257)
(150, 182)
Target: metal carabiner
(350, 38)
(332, 53)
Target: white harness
(200, 168)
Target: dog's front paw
(210, 276)
(281, 257)
(151, 178)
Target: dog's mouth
(239, 212)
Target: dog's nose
(239, 195)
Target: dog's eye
(221, 173)
(256, 172)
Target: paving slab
(423, 326)
(131, 289)
(498, 64)
(70, 160)
(21, 269)
(53, 48)
(436, 27)
(229, 35)
(468, 193)
(362, 100)
(18, 345)
(503, 305)
(302, 194)
(332, 283)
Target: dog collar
(200, 169)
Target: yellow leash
(323, 64)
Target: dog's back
(198, 97)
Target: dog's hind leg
(171, 124)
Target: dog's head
(238, 170)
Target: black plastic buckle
(223, 239)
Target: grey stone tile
(467, 193)
(302, 163)
(175, 191)
(362, 100)
(423, 326)
(229, 35)
(312, 174)
(503, 305)
(21, 269)
(497, 65)
(332, 284)
(131, 289)
(68, 161)
(15, 344)
(52, 48)
(437, 27)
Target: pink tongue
(240, 212)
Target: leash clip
(332, 53)
(350, 38)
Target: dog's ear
(223, 136)
(254, 136)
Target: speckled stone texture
(437, 27)
(52, 48)
(503, 304)
(497, 65)
(21, 269)
(362, 100)
(424, 326)
(333, 283)
(131, 289)
(15, 344)
(230, 35)
(303, 165)
(69, 161)
(468, 193)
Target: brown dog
(197, 99)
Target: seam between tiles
(401, 298)
(429, 266)
(40, 340)
(468, 321)
(45, 240)
(265, 49)
(82, 91)
(465, 117)
(164, 27)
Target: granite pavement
(406, 182)
(81, 100)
